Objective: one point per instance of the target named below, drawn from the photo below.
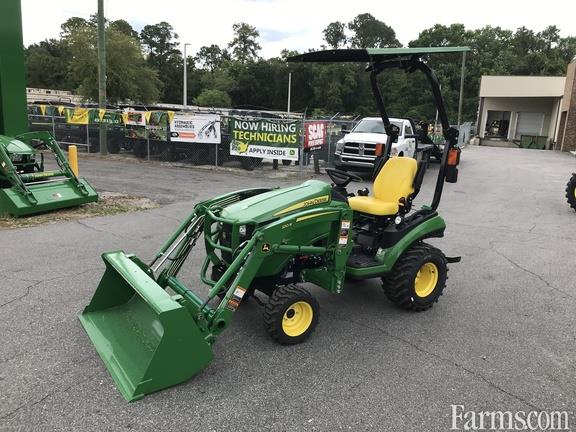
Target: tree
(128, 76)
(244, 45)
(211, 57)
(160, 41)
(47, 65)
(213, 98)
(123, 26)
(161, 45)
(368, 32)
(334, 34)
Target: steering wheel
(342, 178)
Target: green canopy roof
(371, 54)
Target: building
(523, 110)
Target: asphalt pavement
(502, 336)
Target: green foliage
(371, 33)
(213, 98)
(47, 65)
(335, 35)
(244, 45)
(128, 76)
(235, 76)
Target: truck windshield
(373, 126)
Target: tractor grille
(360, 149)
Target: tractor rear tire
(418, 278)
(571, 191)
(291, 314)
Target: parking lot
(502, 336)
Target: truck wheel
(140, 149)
(571, 192)
(250, 163)
(418, 278)
(291, 314)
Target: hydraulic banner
(263, 138)
(198, 128)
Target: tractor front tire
(418, 278)
(571, 191)
(291, 314)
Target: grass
(109, 203)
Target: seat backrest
(396, 179)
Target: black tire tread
(397, 285)
(570, 187)
(276, 305)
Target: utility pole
(102, 74)
(462, 72)
(185, 91)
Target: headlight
(339, 146)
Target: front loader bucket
(147, 340)
(49, 196)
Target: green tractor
(27, 188)
(571, 191)
(268, 241)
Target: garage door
(529, 123)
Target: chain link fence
(155, 141)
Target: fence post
(147, 129)
(88, 136)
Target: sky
(295, 24)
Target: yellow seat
(395, 181)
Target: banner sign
(79, 116)
(98, 116)
(134, 118)
(314, 135)
(198, 128)
(157, 124)
(263, 138)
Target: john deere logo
(292, 152)
(265, 247)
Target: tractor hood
(279, 202)
(13, 146)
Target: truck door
(410, 142)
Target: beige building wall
(521, 86)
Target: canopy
(371, 54)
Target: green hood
(13, 146)
(280, 202)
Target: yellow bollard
(73, 159)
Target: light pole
(185, 91)
(289, 90)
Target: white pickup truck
(358, 149)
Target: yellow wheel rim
(297, 319)
(426, 279)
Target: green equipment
(26, 187)
(571, 191)
(152, 331)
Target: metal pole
(289, 90)
(462, 72)
(102, 74)
(185, 86)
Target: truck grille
(359, 149)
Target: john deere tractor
(571, 191)
(152, 331)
